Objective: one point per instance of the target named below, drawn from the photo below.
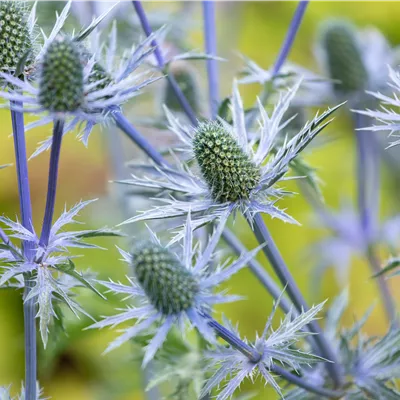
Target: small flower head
(170, 286)
(343, 56)
(235, 173)
(15, 35)
(230, 173)
(61, 77)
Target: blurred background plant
(72, 366)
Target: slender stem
(254, 356)
(123, 124)
(280, 60)
(257, 270)
(161, 64)
(210, 37)
(368, 185)
(52, 183)
(298, 381)
(28, 250)
(278, 264)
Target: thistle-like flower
(233, 172)
(16, 36)
(350, 239)
(273, 347)
(171, 288)
(5, 394)
(48, 265)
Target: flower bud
(185, 77)
(15, 39)
(61, 77)
(344, 58)
(170, 287)
(229, 172)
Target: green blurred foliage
(73, 368)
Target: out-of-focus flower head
(171, 288)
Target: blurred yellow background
(76, 369)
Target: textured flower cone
(185, 77)
(170, 287)
(227, 169)
(344, 59)
(15, 39)
(61, 77)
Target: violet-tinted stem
(52, 182)
(368, 195)
(26, 218)
(279, 266)
(254, 356)
(123, 124)
(282, 56)
(161, 64)
(210, 38)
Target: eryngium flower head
(172, 288)
(15, 35)
(343, 56)
(229, 171)
(235, 172)
(169, 285)
(61, 77)
(185, 77)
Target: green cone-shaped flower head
(228, 170)
(344, 59)
(185, 77)
(61, 77)
(15, 38)
(170, 287)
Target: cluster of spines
(170, 287)
(228, 170)
(61, 86)
(344, 59)
(15, 38)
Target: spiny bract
(227, 169)
(15, 39)
(170, 287)
(61, 77)
(344, 59)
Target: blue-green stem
(28, 250)
(210, 38)
(58, 129)
(280, 60)
(368, 193)
(281, 270)
(255, 357)
(161, 64)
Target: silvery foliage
(5, 393)
(192, 191)
(349, 239)
(100, 96)
(387, 117)
(147, 315)
(53, 272)
(371, 364)
(280, 346)
(375, 52)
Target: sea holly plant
(229, 160)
